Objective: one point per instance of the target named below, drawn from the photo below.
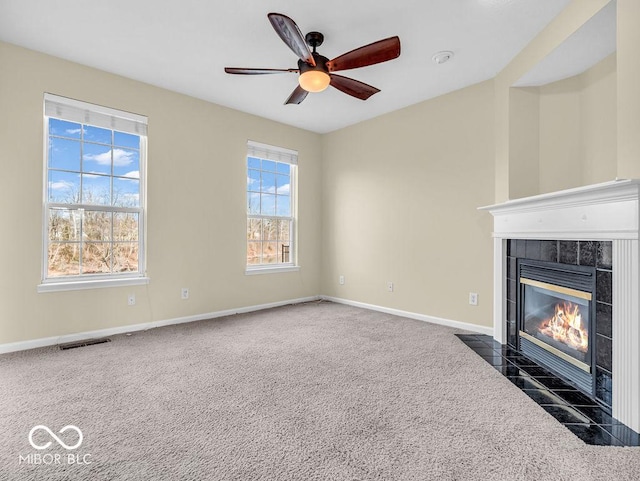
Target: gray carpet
(317, 391)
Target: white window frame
(276, 154)
(96, 115)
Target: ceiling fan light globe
(314, 80)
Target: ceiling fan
(316, 71)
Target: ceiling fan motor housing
(321, 64)
(314, 39)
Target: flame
(566, 326)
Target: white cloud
(134, 174)
(102, 159)
(73, 131)
(121, 158)
(282, 190)
(61, 185)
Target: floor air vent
(86, 342)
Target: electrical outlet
(390, 286)
(131, 300)
(341, 280)
(184, 293)
(473, 298)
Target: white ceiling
(592, 42)
(184, 45)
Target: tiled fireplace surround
(580, 253)
(597, 225)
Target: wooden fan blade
(258, 71)
(290, 34)
(371, 54)
(355, 88)
(297, 96)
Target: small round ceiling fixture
(442, 57)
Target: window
(94, 192)
(271, 174)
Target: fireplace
(556, 226)
(556, 319)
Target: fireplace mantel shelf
(601, 211)
(618, 190)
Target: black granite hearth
(581, 415)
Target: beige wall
(599, 123)
(196, 204)
(628, 40)
(524, 140)
(563, 134)
(577, 133)
(560, 165)
(509, 184)
(400, 194)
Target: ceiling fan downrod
(314, 39)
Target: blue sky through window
(96, 158)
(63, 186)
(63, 128)
(126, 140)
(269, 187)
(64, 154)
(96, 134)
(106, 162)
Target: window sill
(270, 270)
(91, 284)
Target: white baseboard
(112, 331)
(412, 315)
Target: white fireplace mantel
(608, 211)
(601, 211)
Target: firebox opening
(556, 318)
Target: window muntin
(93, 226)
(270, 208)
